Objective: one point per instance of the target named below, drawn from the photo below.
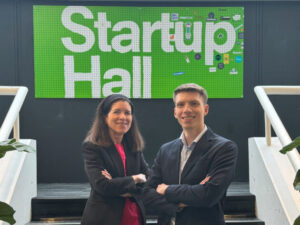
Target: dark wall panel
(8, 52)
(60, 125)
(281, 48)
(8, 48)
(281, 61)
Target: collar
(193, 144)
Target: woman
(115, 165)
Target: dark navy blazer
(213, 156)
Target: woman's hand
(126, 195)
(182, 205)
(139, 178)
(106, 174)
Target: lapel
(130, 161)
(116, 159)
(175, 158)
(201, 147)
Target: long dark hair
(99, 131)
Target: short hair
(99, 132)
(191, 87)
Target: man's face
(190, 110)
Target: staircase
(62, 204)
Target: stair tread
(252, 219)
(68, 200)
(82, 190)
(239, 221)
(54, 223)
(245, 220)
(65, 201)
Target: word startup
(129, 32)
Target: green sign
(141, 52)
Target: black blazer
(213, 156)
(105, 205)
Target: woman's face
(119, 118)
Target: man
(194, 171)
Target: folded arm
(210, 192)
(100, 183)
(154, 202)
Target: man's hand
(205, 180)
(161, 189)
(126, 195)
(182, 205)
(139, 178)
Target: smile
(122, 124)
(188, 117)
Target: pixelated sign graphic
(141, 52)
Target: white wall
(271, 176)
(18, 182)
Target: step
(231, 221)
(235, 221)
(68, 200)
(59, 200)
(239, 201)
(244, 221)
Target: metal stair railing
(12, 120)
(272, 118)
(17, 170)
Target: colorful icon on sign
(211, 17)
(236, 17)
(226, 58)
(224, 18)
(212, 69)
(233, 71)
(221, 66)
(197, 16)
(178, 73)
(197, 56)
(174, 16)
(187, 59)
(238, 59)
(188, 31)
(241, 35)
(186, 17)
(218, 57)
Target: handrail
(272, 118)
(12, 117)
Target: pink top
(131, 212)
